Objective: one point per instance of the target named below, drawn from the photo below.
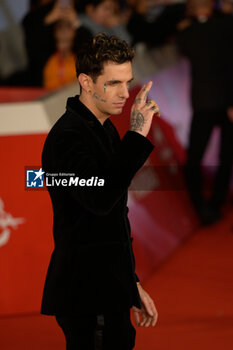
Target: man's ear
(85, 82)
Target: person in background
(206, 38)
(59, 70)
(154, 21)
(105, 16)
(226, 6)
(38, 27)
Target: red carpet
(193, 292)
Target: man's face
(111, 89)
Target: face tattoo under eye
(97, 97)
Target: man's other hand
(147, 315)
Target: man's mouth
(119, 104)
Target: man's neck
(86, 101)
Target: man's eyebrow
(113, 81)
(117, 81)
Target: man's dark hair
(91, 56)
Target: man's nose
(124, 91)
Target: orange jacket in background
(59, 71)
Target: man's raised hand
(142, 111)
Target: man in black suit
(91, 282)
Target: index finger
(153, 306)
(144, 91)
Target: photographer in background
(38, 27)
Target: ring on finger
(150, 102)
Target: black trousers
(109, 331)
(202, 126)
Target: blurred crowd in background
(54, 29)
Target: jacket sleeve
(73, 154)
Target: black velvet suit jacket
(92, 267)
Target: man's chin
(117, 110)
